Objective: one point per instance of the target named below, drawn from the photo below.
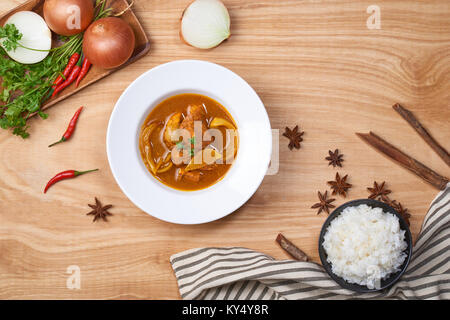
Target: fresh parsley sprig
(181, 146)
(25, 87)
(10, 37)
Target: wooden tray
(142, 46)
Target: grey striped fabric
(240, 273)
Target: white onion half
(35, 35)
(205, 24)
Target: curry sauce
(188, 142)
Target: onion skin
(109, 42)
(58, 14)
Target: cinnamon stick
(411, 119)
(291, 249)
(404, 160)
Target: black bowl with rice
(365, 245)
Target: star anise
(99, 211)
(401, 211)
(335, 158)
(379, 192)
(340, 186)
(294, 136)
(324, 204)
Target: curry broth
(159, 117)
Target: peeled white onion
(205, 24)
(35, 35)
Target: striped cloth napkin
(240, 273)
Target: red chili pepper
(69, 174)
(72, 61)
(71, 78)
(70, 128)
(84, 70)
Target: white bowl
(243, 178)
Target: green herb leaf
(10, 37)
(180, 145)
(25, 87)
(43, 115)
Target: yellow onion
(68, 17)
(143, 139)
(109, 42)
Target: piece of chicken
(193, 176)
(172, 124)
(195, 113)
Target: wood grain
(423, 133)
(313, 63)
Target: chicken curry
(188, 142)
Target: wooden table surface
(313, 63)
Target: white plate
(243, 178)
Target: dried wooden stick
(411, 119)
(291, 249)
(404, 160)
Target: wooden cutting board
(313, 63)
(142, 45)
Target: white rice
(365, 245)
